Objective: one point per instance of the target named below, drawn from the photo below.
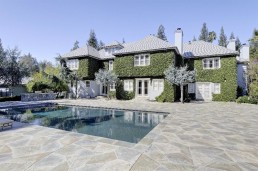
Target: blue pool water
(130, 126)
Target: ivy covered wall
(226, 76)
(87, 68)
(159, 61)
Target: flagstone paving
(195, 136)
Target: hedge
(226, 76)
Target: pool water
(130, 126)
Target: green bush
(168, 94)
(246, 99)
(15, 98)
(121, 94)
(112, 94)
(39, 86)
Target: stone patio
(195, 136)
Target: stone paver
(195, 136)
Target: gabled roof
(82, 52)
(149, 43)
(205, 49)
(114, 43)
(103, 56)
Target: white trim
(73, 64)
(128, 85)
(213, 63)
(216, 90)
(157, 84)
(113, 87)
(142, 88)
(141, 61)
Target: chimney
(232, 44)
(179, 40)
(244, 53)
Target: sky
(46, 28)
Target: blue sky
(48, 27)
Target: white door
(142, 87)
(203, 91)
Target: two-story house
(140, 66)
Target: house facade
(140, 67)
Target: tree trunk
(182, 92)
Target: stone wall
(37, 96)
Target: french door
(142, 87)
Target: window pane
(131, 85)
(136, 60)
(210, 63)
(216, 63)
(155, 85)
(160, 85)
(142, 60)
(147, 60)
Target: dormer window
(142, 60)
(110, 51)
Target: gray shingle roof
(103, 56)
(82, 52)
(203, 49)
(149, 43)
(114, 43)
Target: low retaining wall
(38, 96)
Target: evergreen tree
(29, 63)
(75, 45)
(222, 38)
(212, 36)
(238, 44)
(161, 33)
(204, 33)
(2, 61)
(232, 36)
(123, 41)
(92, 41)
(194, 39)
(101, 44)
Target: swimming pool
(124, 125)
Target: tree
(212, 36)
(44, 64)
(194, 39)
(204, 33)
(179, 76)
(232, 36)
(222, 38)
(101, 44)
(238, 44)
(14, 72)
(161, 33)
(29, 63)
(92, 41)
(106, 78)
(253, 65)
(123, 41)
(2, 61)
(75, 45)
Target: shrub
(246, 99)
(121, 94)
(168, 93)
(39, 86)
(112, 94)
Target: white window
(128, 85)
(191, 88)
(142, 60)
(73, 63)
(113, 87)
(157, 85)
(211, 63)
(216, 87)
(87, 83)
(110, 66)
